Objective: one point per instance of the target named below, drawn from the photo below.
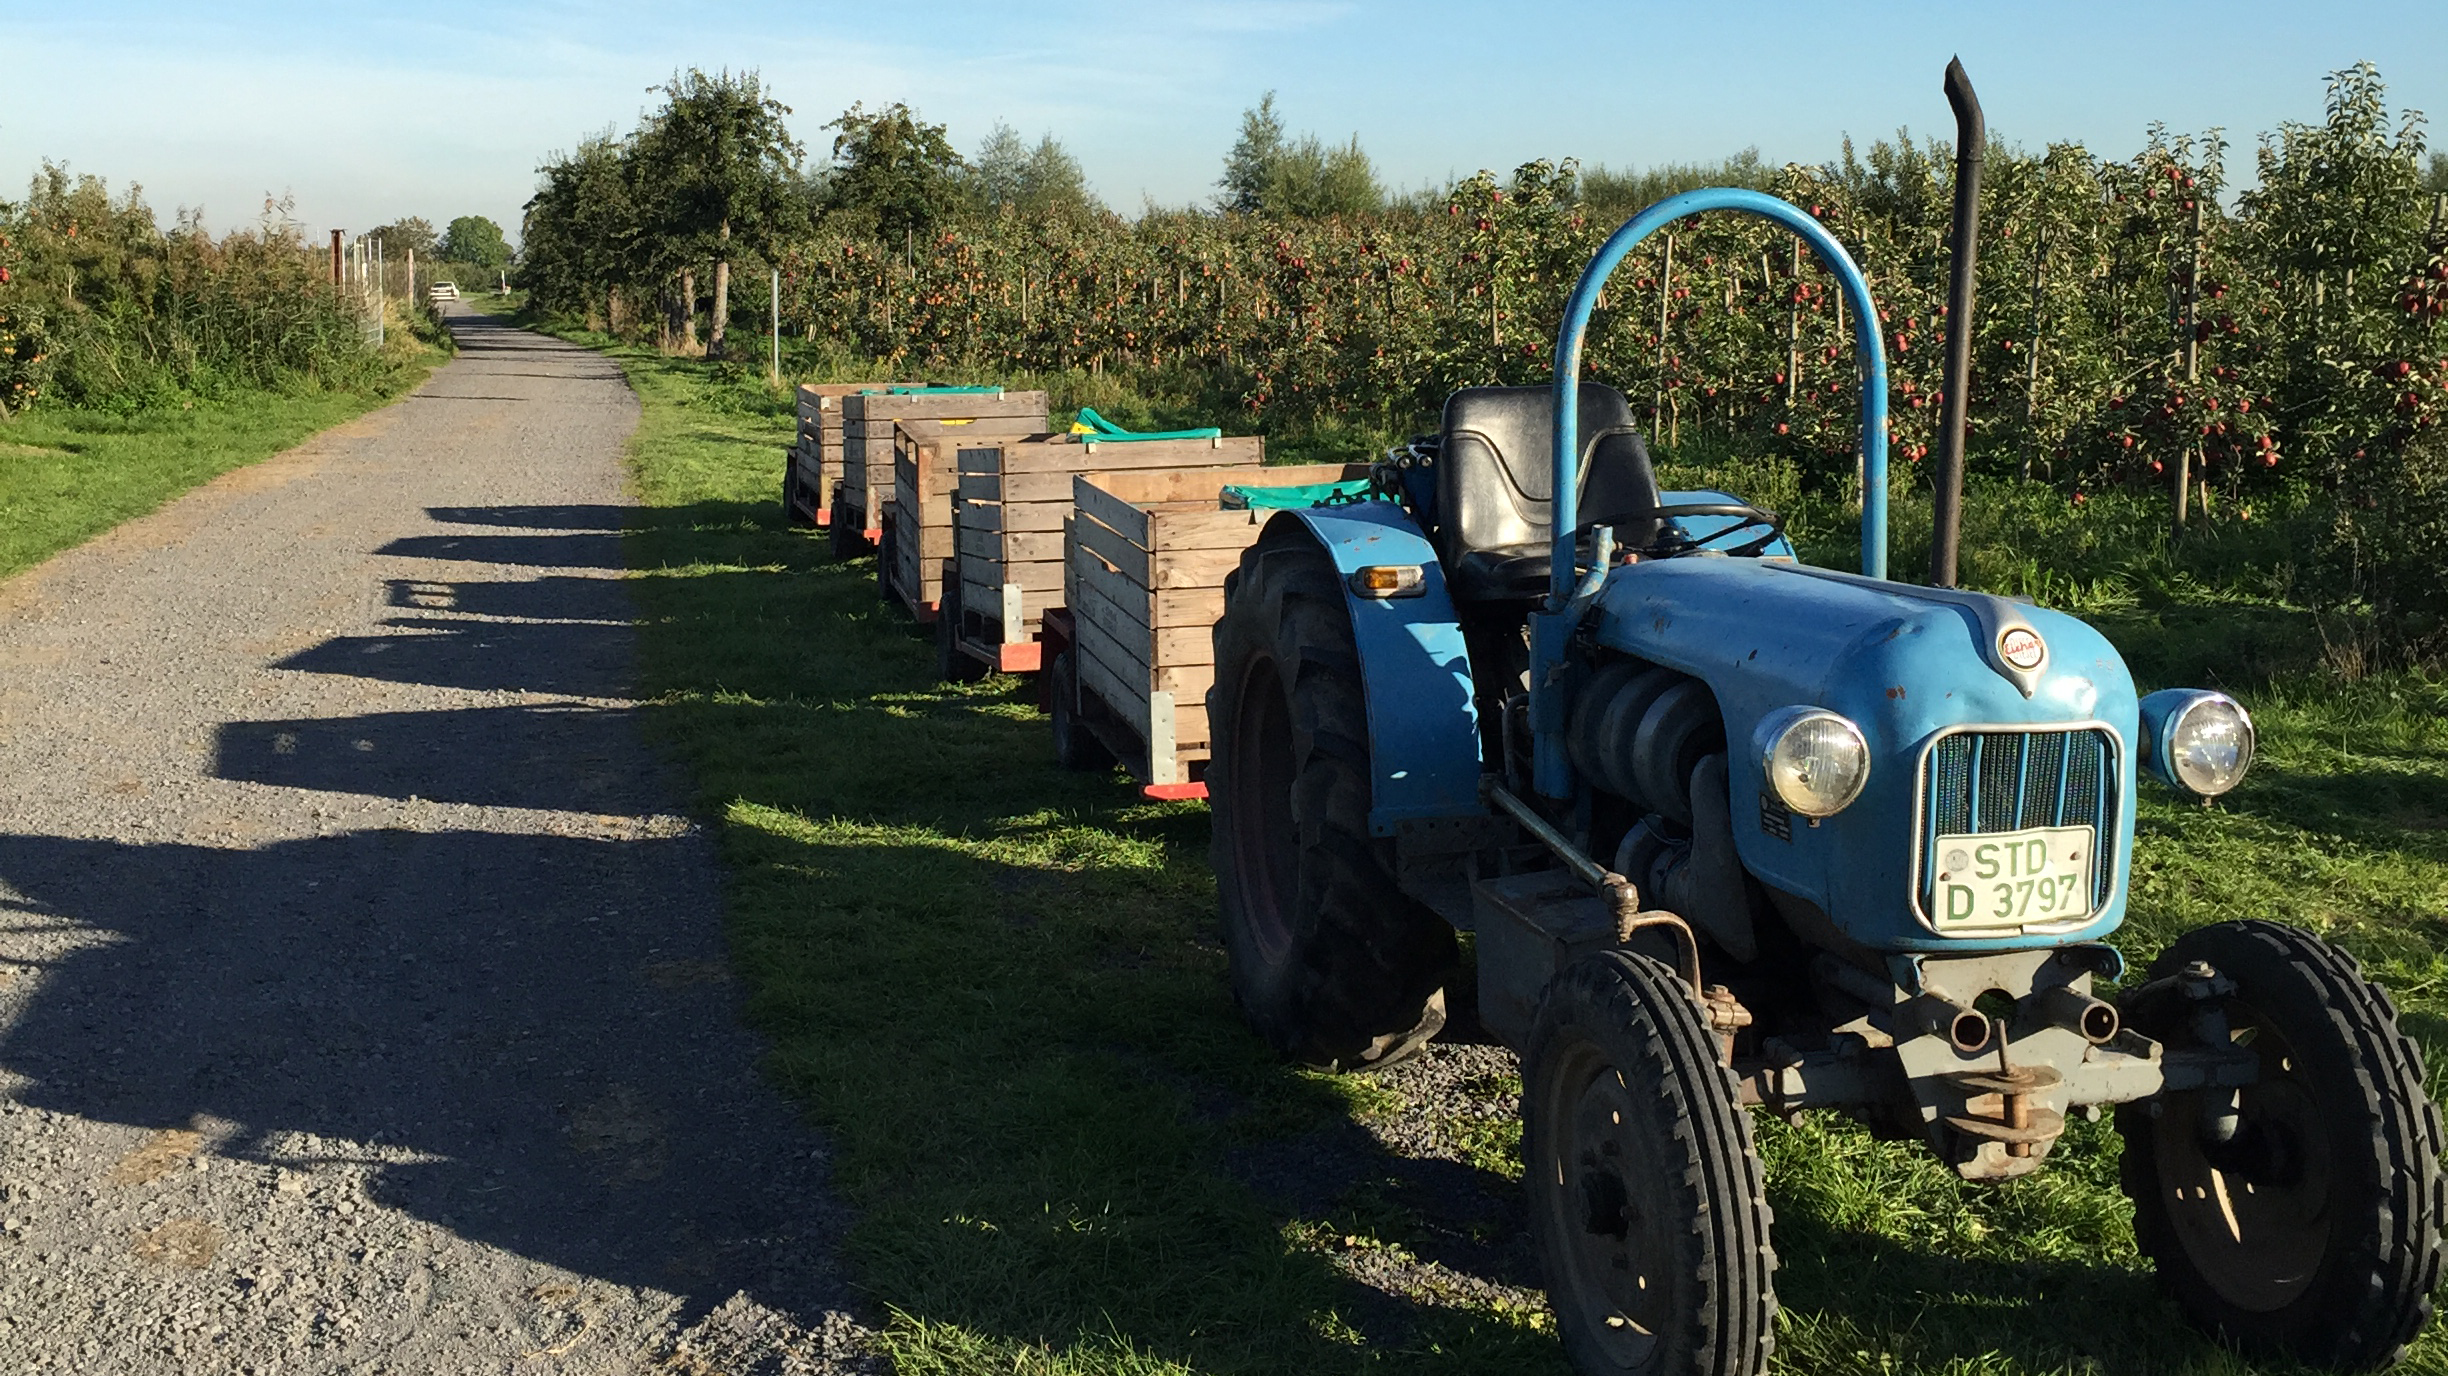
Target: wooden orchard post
(1793, 330)
(2191, 346)
(2031, 379)
(1657, 399)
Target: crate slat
(1187, 569)
(1093, 603)
(1013, 516)
(1117, 549)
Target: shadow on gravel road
(561, 757)
(575, 516)
(515, 1010)
(550, 598)
(536, 1026)
(579, 658)
(481, 334)
(587, 550)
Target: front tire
(2314, 1232)
(1331, 962)
(1647, 1200)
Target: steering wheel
(1746, 518)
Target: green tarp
(1095, 429)
(1238, 498)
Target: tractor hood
(1908, 665)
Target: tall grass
(124, 314)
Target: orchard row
(2133, 317)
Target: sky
(445, 109)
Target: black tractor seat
(1495, 474)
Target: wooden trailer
(925, 473)
(863, 498)
(1145, 554)
(1008, 534)
(811, 467)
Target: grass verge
(67, 476)
(998, 987)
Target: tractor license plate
(2013, 878)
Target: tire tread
(1645, 1004)
(1369, 963)
(2378, 1299)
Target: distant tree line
(2142, 325)
(472, 243)
(2138, 324)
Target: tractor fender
(1422, 719)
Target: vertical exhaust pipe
(1971, 139)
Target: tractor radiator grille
(1976, 783)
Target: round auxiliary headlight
(1816, 762)
(2209, 745)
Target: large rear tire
(1331, 962)
(1647, 1200)
(2314, 1231)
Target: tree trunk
(688, 313)
(722, 296)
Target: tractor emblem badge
(2022, 647)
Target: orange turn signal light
(1389, 580)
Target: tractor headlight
(2195, 740)
(1816, 762)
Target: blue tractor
(1728, 830)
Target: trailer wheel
(952, 664)
(1331, 962)
(2313, 1231)
(791, 514)
(1647, 1200)
(1075, 746)
(843, 535)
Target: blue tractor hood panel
(1905, 664)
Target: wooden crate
(1145, 554)
(1008, 526)
(811, 467)
(924, 477)
(865, 494)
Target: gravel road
(363, 1000)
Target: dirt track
(362, 995)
